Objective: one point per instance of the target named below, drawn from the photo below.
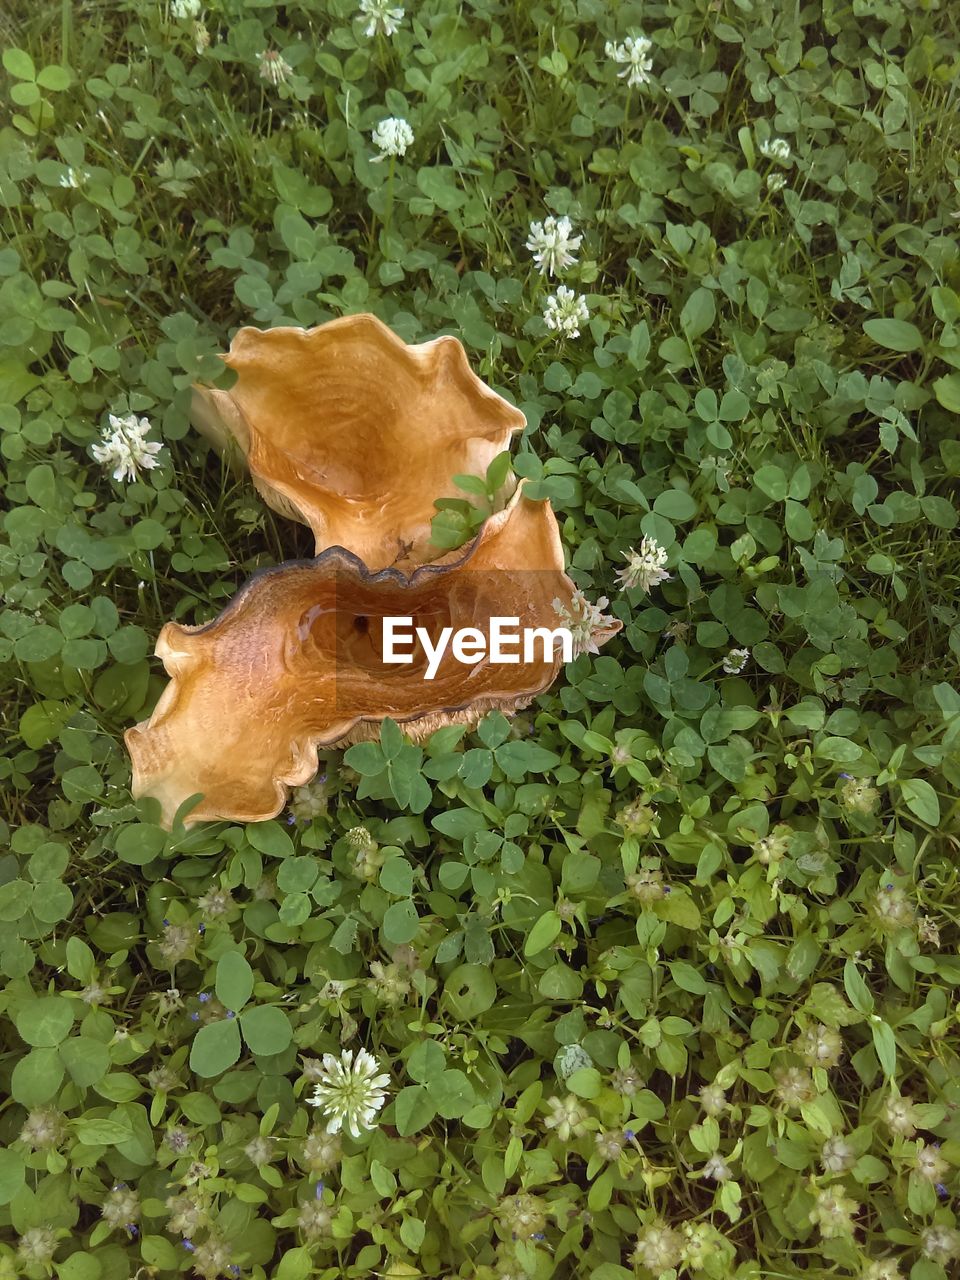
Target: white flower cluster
(552, 243)
(183, 10)
(350, 1092)
(124, 447)
(775, 149)
(632, 52)
(566, 311)
(274, 68)
(645, 568)
(735, 661)
(587, 622)
(392, 136)
(380, 15)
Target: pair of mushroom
(352, 431)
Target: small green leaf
(266, 1029)
(234, 982)
(215, 1048)
(896, 335)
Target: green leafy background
(769, 385)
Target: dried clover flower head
(610, 1144)
(637, 818)
(717, 1169)
(523, 1215)
(773, 847)
(793, 1086)
(260, 1150)
(858, 796)
(44, 1129)
(928, 931)
(216, 903)
(646, 884)
(930, 1164)
(890, 908)
(658, 1247)
(321, 1151)
(162, 1079)
(713, 1099)
(700, 1243)
(833, 1213)
(37, 1246)
(314, 1219)
(882, 1269)
(626, 1081)
(820, 1046)
(169, 1001)
(567, 1117)
(121, 1207)
(211, 1258)
(900, 1117)
(188, 1214)
(391, 985)
(837, 1156)
(177, 943)
(940, 1244)
(310, 801)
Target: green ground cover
(662, 975)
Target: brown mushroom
(352, 431)
(295, 662)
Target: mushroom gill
(354, 432)
(295, 662)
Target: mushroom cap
(355, 432)
(294, 663)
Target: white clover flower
(820, 1046)
(632, 52)
(552, 243)
(382, 17)
(566, 311)
(609, 1144)
(587, 622)
(567, 1116)
(184, 9)
(775, 149)
(658, 1247)
(776, 182)
(735, 661)
(125, 447)
(392, 136)
(73, 178)
(900, 1117)
(837, 1156)
(940, 1244)
(645, 568)
(833, 1213)
(121, 1207)
(350, 1092)
(884, 1269)
(37, 1246)
(713, 1099)
(717, 1169)
(274, 68)
(201, 37)
(931, 1165)
(793, 1086)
